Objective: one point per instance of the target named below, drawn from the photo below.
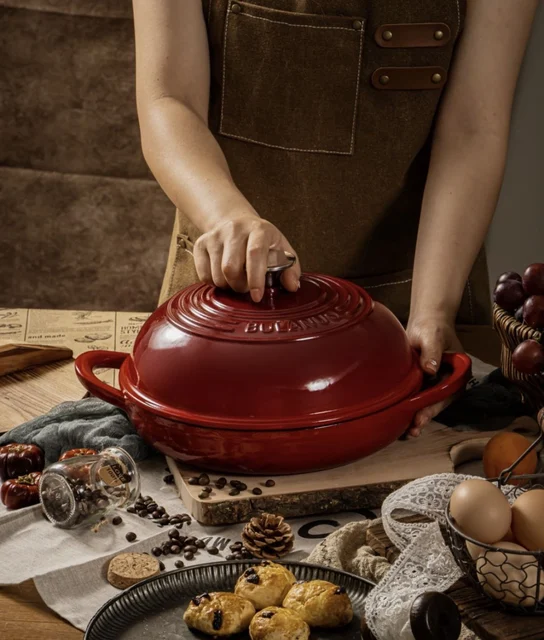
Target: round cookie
(127, 569)
(265, 584)
(219, 614)
(320, 603)
(274, 623)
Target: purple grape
(519, 314)
(533, 312)
(509, 295)
(533, 279)
(528, 357)
(509, 275)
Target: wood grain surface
(477, 612)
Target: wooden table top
(23, 614)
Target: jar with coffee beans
(84, 490)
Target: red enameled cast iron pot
(299, 382)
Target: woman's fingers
(216, 262)
(233, 264)
(202, 262)
(258, 247)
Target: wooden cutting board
(361, 485)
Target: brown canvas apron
(324, 110)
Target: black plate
(153, 609)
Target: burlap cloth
(346, 549)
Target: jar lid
(324, 354)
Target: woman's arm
(467, 166)
(172, 87)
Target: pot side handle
(90, 360)
(452, 383)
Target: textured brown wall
(83, 224)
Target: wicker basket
(512, 333)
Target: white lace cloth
(425, 562)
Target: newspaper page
(79, 331)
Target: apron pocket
(291, 80)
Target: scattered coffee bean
(238, 556)
(161, 510)
(156, 551)
(131, 509)
(166, 551)
(173, 533)
(147, 499)
(207, 489)
(257, 492)
(190, 540)
(236, 546)
(176, 549)
(117, 520)
(131, 536)
(242, 486)
(161, 565)
(142, 513)
(193, 481)
(179, 564)
(270, 483)
(231, 557)
(163, 521)
(213, 551)
(188, 556)
(190, 548)
(174, 520)
(200, 544)
(179, 526)
(186, 518)
(234, 492)
(221, 483)
(204, 479)
(203, 495)
(156, 515)
(168, 479)
(234, 483)
(152, 506)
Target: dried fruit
(20, 492)
(19, 459)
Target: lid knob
(285, 260)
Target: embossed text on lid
(322, 304)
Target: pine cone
(268, 536)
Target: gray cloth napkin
(88, 423)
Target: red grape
(509, 275)
(509, 295)
(529, 357)
(533, 312)
(533, 279)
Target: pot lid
(325, 354)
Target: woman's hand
(235, 253)
(431, 337)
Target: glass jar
(82, 491)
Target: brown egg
(510, 577)
(503, 450)
(481, 510)
(475, 550)
(528, 519)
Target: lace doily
(425, 562)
